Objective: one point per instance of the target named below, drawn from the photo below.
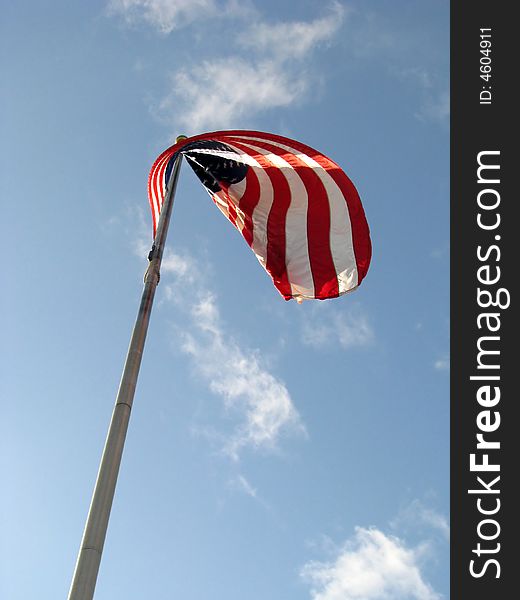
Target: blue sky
(274, 450)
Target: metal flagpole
(89, 557)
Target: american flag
(297, 210)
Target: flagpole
(89, 556)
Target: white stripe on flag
(296, 247)
(262, 209)
(341, 244)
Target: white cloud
(418, 75)
(268, 72)
(180, 266)
(416, 516)
(164, 15)
(442, 364)
(292, 39)
(242, 484)
(436, 520)
(227, 91)
(258, 402)
(440, 251)
(261, 401)
(435, 107)
(326, 326)
(435, 101)
(167, 15)
(370, 566)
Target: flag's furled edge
(295, 207)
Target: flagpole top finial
(179, 138)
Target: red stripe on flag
(160, 184)
(359, 226)
(155, 190)
(154, 182)
(358, 223)
(232, 211)
(275, 260)
(323, 269)
(248, 204)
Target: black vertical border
(479, 127)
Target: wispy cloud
(227, 91)
(167, 15)
(258, 402)
(267, 64)
(294, 39)
(183, 267)
(442, 364)
(440, 251)
(242, 484)
(406, 55)
(271, 67)
(373, 566)
(324, 325)
(434, 104)
(417, 516)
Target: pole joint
(152, 270)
